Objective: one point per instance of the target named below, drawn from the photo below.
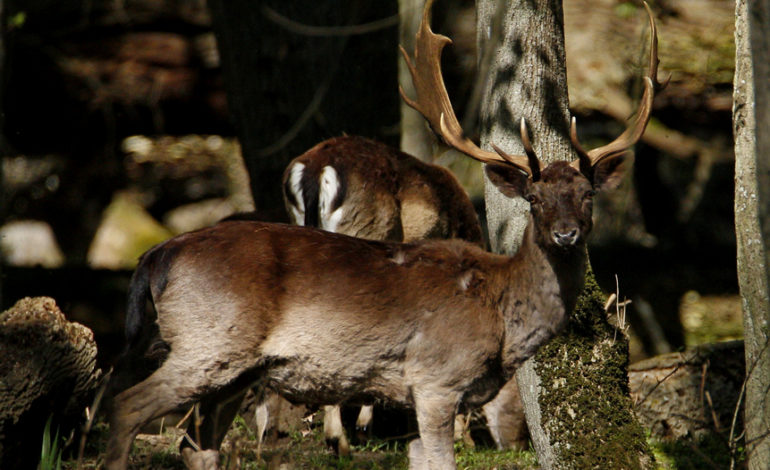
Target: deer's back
(272, 297)
(433, 203)
(377, 192)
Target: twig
(328, 31)
(197, 422)
(312, 107)
(704, 368)
(90, 416)
(610, 300)
(713, 412)
(733, 439)
(184, 418)
(657, 385)
(192, 442)
(620, 309)
(706, 396)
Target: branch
(328, 31)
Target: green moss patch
(710, 451)
(585, 400)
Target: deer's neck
(542, 291)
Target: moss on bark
(585, 400)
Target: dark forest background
(118, 132)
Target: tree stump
(48, 368)
(689, 394)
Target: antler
(587, 159)
(433, 100)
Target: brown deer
(364, 188)
(324, 318)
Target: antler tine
(584, 161)
(432, 97)
(634, 132)
(533, 162)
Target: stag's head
(561, 198)
(560, 195)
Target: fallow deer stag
(363, 188)
(325, 318)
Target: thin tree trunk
(751, 122)
(416, 137)
(521, 50)
(575, 390)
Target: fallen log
(689, 394)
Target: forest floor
(300, 450)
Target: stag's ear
(508, 179)
(608, 173)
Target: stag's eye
(589, 194)
(531, 198)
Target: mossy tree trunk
(575, 390)
(751, 121)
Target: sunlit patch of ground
(710, 318)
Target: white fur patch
(329, 187)
(464, 281)
(297, 211)
(399, 257)
(365, 417)
(261, 416)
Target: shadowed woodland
(118, 133)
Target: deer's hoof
(201, 459)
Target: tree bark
(303, 71)
(521, 51)
(575, 390)
(48, 370)
(751, 121)
(416, 136)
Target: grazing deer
(364, 188)
(323, 318)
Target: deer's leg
(177, 382)
(364, 422)
(334, 431)
(262, 418)
(147, 400)
(217, 413)
(435, 418)
(417, 460)
(505, 418)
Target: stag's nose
(566, 237)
